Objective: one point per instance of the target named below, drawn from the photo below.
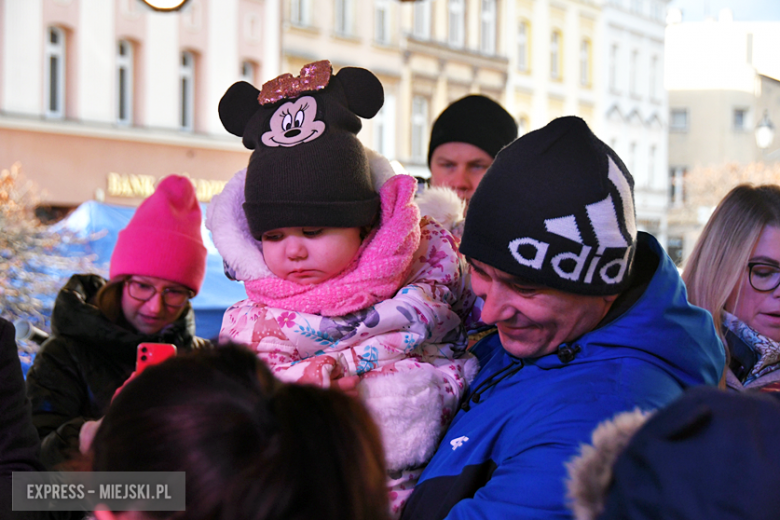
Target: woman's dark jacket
(81, 365)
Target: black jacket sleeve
(18, 438)
(60, 402)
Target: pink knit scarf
(378, 271)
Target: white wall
(162, 60)
(222, 68)
(96, 72)
(22, 73)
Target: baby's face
(309, 255)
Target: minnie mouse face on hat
(294, 123)
(310, 103)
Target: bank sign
(141, 186)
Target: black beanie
(475, 120)
(556, 208)
(710, 455)
(308, 167)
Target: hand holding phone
(152, 354)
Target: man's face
(533, 320)
(459, 166)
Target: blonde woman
(734, 272)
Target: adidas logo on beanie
(556, 208)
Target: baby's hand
(347, 384)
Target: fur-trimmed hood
(443, 205)
(590, 473)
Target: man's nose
(494, 309)
(460, 179)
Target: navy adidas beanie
(556, 208)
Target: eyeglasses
(172, 296)
(764, 277)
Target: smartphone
(152, 354)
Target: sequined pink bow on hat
(314, 76)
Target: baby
(347, 285)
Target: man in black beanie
(465, 139)
(592, 320)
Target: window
(653, 80)
(248, 71)
(382, 21)
(613, 67)
(651, 165)
(523, 31)
(187, 91)
(678, 120)
(300, 12)
(344, 15)
(419, 128)
(633, 73)
(585, 63)
(677, 185)
(124, 80)
(457, 23)
(632, 158)
(422, 20)
(55, 73)
(488, 23)
(555, 55)
(636, 6)
(740, 119)
(384, 128)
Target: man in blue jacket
(592, 320)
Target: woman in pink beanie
(158, 264)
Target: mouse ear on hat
(237, 107)
(363, 89)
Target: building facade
(99, 99)
(632, 104)
(722, 78)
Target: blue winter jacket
(504, 454)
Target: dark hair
(251, 447)
(109, 299)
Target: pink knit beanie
(163, 238)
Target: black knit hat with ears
(556, 208)
(308, 167)
(476, 120)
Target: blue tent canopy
(106, 221)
